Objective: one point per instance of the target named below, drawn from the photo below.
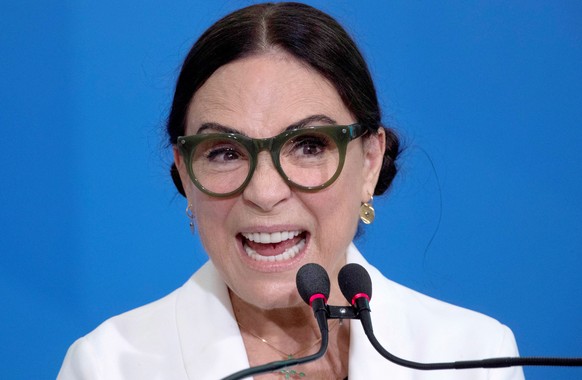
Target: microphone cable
(356, 286)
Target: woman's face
(260, 96)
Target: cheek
(337, 207)
(352, 178)
(210, 212)
(211, 217)
(213, 223)
(338, 203)
(342, 200)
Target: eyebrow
(216, 127)
(303, 123)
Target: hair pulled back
(311, 36)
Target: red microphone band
(316, 296)
(360, 295)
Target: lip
(273, 266)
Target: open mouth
(276, 246)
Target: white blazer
(192, 334)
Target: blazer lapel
(212, 346)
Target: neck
(291, 331)
(292, 327)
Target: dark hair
(309, 35)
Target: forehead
(263, 94)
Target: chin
(271, 296)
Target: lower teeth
(288, 254)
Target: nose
(266, 188)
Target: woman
(279, 148)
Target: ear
(182, 171)
(374, 147)
(177, 158)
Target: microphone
(356, 286)
(313, 286)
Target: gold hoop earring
(367, 213)
(190, 216)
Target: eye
(223, 154)
(309, 145)
(220, 152)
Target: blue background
(486, 212)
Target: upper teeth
(266, 238)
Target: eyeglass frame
(341, 135)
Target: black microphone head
(312, 279)
(354, 279)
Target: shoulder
(436, 323)
(147, 339)
(420, 328)
(139, 336)
(404, 314)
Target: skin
(260, 96)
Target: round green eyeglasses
(309, 159)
